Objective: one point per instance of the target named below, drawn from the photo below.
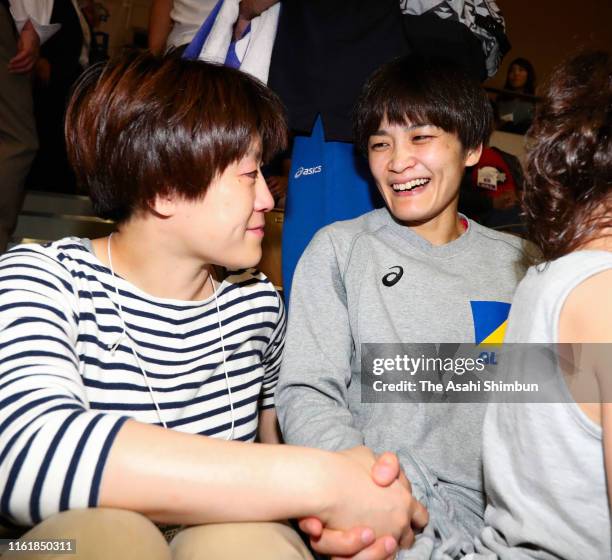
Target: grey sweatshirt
(339, 301)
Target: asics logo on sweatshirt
(393, 277)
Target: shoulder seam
(519, 240)
(34, 252)
(354, 240)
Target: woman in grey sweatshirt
(413, 272)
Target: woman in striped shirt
(134, 370)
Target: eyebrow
(384, 132)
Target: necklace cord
(125, 335)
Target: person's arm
(249, 9)
(268, 430)
(38, 13)
(32, 21)
(312, 392)
(28, 49)
(173, 477)
(160, 25)
(606, 424)
(358, 543)
(44, 411)
(312, 395)
(586, 318)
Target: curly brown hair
(568, 175)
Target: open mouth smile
(410, 185)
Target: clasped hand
(378, 507)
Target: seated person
(415, 271)
(136, 369)
(515, 107)
(547, 466)
(490, 193)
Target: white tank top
(544, 466)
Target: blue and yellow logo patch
(490, 321)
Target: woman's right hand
(356, 500)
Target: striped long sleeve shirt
(69, 378)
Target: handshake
(375, 499)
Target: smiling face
(226, 226)
(418, 170)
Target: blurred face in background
(517, 76)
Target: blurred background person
(24, 25)
(515, 109)
(175, 23)
(62, 59)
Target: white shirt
(38, 12)
(188, 16)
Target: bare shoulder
(586, 315)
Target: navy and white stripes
(64, 394)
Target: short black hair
(141, 126)
(424, 91)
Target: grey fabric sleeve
(311, 396)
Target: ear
(163, 206)
(473, 156)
